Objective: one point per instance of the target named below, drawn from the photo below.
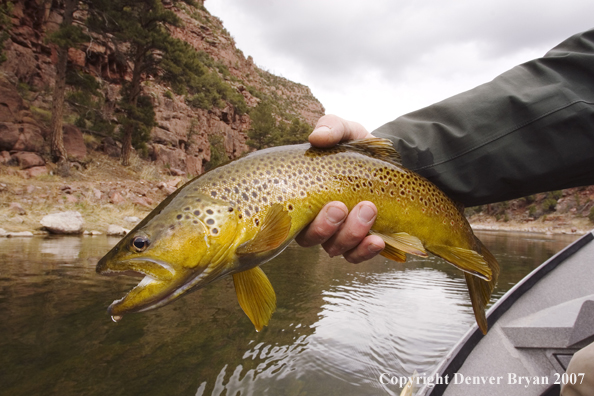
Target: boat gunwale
(456, 357)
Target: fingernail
(323, 130)
(366, 213)
(373, 248)
(335, 215)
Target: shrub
(557, 194)
(549, 204)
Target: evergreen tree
(263, 132)
(67, 36)
(140, 26)
(297, 132)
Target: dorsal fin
(375, 147)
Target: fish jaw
(159, 281)
(153, 293)
(148, 294)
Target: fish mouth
(138, 266)
(159, 282)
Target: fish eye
(139, 243)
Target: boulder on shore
(114, 230)
(70, 222)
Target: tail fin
(479, 289)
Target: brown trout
(240, 215)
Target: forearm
(529, 130)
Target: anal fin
(465, 259)
(392, 253)
(255, 295)
(400, 243)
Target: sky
(374, 60)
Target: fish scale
(240, 215)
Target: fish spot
(210, 221)
(256, 222)
(245, 197)
(186, 209)
(247, 213)
(215, 231)
(179, 217)
(213, 193)
(197, 212)
(209, 211)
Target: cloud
(406, 52)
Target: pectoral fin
(467, 260)
(274, 231)
(255, 295)
(399, 244)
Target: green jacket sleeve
(529, 130)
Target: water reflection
(336, 329)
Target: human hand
(331, 130)
(339, 231)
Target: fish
(233, 218)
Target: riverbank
(103, 192)
(564, 225)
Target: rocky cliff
(181, 139)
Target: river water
(337, 327)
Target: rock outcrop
(181, 138)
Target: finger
(367, 249)
(326, 223)
(331, 130)
(354, 229)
